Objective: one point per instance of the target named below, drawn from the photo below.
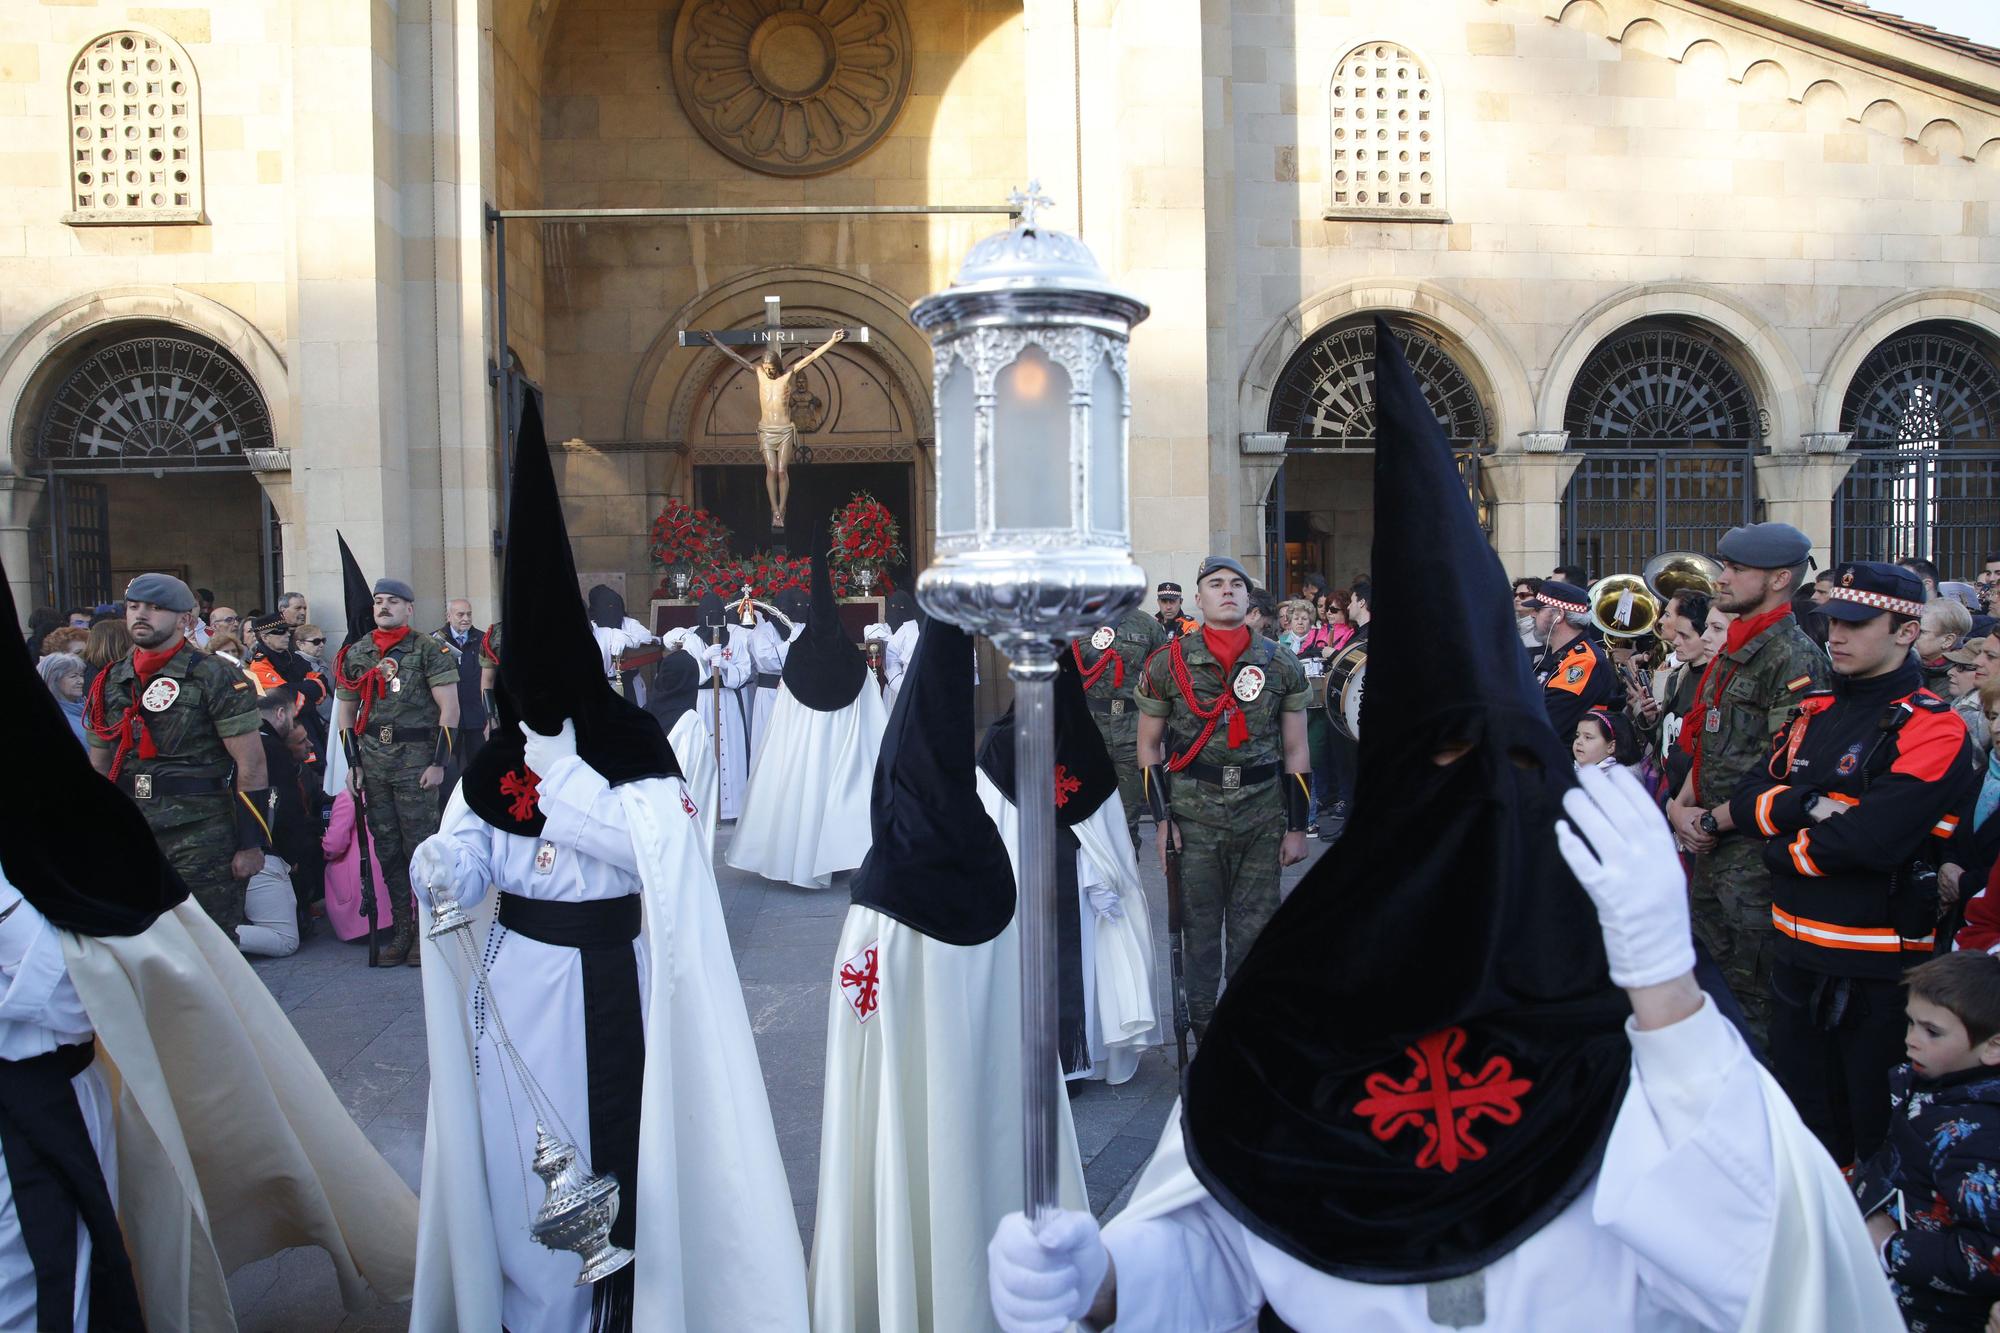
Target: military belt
(1114, 707)
(1231, 777)
(769, 680)
(153, 786)
(388, 734)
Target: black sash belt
(614, 1048)
(56, 1178)
(769, 680)
(1072, 1042)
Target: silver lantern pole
(1034, 542)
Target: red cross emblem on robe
(861, 983)
(1441, 1101)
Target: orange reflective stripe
(1947, 826)
(1763, 811)
(1863, 939)
(1843, 798)
(1802, 857)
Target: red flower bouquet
(865, 536)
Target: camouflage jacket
(1133, 640)
(1284, 690)
(411, 669)
(1750, 695)
(191, 705)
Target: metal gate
(1625, 506)
(1943, 504)
(80, 573)
(1275, 563)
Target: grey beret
(1764, 546)
(395, 588)
(1211, 563)
(162, 590)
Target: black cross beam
(770, 335)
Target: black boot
(397, 948)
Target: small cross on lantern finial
(1028, 204)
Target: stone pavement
(366, 1030)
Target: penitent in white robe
(768, 648)
(611, 642)
(805, 816)
(1713, 1209)
(1120, 1018)
(694, 750)
(731, 707)
(920, 1137)
(716, 1238)
(897, 645)
(39, 1011)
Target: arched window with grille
(1667, 425)
(1385, 151)
(134, 132)
(1923, 416)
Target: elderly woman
(1942, 627)
(66, 676)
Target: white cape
(694, 749)
(805, 815)
(920, 1139)
(717, 1237)
(1120, 1018)
(727, 708)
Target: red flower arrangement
(686, 536)
(865, 536)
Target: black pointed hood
(74, 845)
(824, 669)
(937, 863)
(607, 608)
(1442, 935)
(1085, 776)
(676, 688)
(899, 610)
(711, 624)
(551, 669)
(356, 592)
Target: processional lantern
(1034, 539)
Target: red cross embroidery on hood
(1442, 1101)
(1066, 786)
(524, 787)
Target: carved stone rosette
(792, 87)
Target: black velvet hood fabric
(711, 624)
(1441, 941)
(899, 610)
(74, 845)
(607, 608)
(1085, 775)
(550, 669)
(356, 593)
(938, 864)
(824, 669)
(675, 689)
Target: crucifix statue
(777, 433)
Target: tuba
(1675, 572)
(1622, 606)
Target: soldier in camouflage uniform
(398, 693)
(1110, 661)
(176, 729)
(1222, 741)
(1747, 694)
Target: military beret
(1173, 588)
(1865, 589)
(1764, 546)
(162, 590)
(1211, 563)
(1563, 596)
(395, 588)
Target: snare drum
(1346, 673)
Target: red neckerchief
(1741, 631)
(370, 684)
(1227, 645)
(1109, 657)
(130, 729)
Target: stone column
(1797, 485)
(1527, 486)
(18, 497)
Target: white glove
(431, 869)
(713, 654)
(1634, 879)
(1042, 1282)
(1107, 903)
(675, 637)
(543, 752)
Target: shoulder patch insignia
(1573, 674)
(861, 983)
(1798, 683)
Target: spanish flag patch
(1794, 686)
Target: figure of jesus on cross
(777, 433)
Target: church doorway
(146, 446)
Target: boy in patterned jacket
(1931, 1192)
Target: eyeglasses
(314, 643)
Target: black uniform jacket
(1898, 758)
(1574, 681)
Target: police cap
(1211, 563)
(1169, 589)
(162, 590)
(1764, 546)
(1563, 596)
(395, 588)
(1865, 589)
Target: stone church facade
(270, 271)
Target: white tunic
(732, 666)
(1119, 1015)
(694, 749)
(897, 646)
(805, 816)
(768, 648)
(920, 1138)
(1712, 1210)
(611, 642)
(39, 1011)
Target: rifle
(368, 912)
(1176, 965)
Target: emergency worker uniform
(1579, 676)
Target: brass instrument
(1625, 611)
(1674, 572)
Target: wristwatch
(1707, 823)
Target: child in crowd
(1931, 1192)
(1605, 740)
